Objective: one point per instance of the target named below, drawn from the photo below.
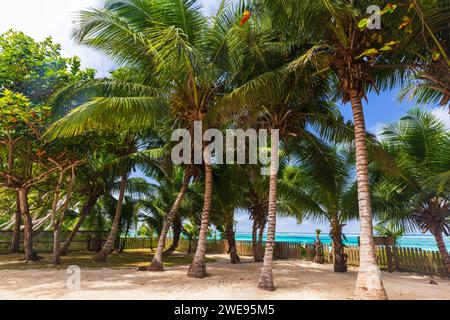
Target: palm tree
(284, 109)
(167, 202)
(93, 181)
(227, 199)
(190, 231)
(326, 193)
(389, 230)
(132, 146)
(255, 201)
(293, 120)
(429, 82)
(420, 193)
(128, 148)
(172, 47)
(357, 59)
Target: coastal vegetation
(83, 153)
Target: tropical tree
(326, 192)
(41, 71)
(390, 230)
(286, 108)
(172, 216)
(228, 197)
(420, 196)
(92, 183)
(187, 58)
(24, 163)
(429, 81)
(166, 201)
(357, 57)
(190, 231)
(255, 201)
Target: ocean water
(425, 242)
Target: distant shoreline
(425, 242)
(348, 234)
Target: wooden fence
(389, 258)
(43, 241)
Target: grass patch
(125, 260)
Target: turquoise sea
(412, 241)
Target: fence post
(395, 256)
(390, 263)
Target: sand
(296, 280)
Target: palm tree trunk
(190, 246)
(198, 266)
(15, 244)
(262, 227)
(340, 257)
(256, 252)
(443, 250)
(177, 228)
(110, 242)
(266, 279)
(231, 239)
(87, 208)
(368, 284)
(157, 262)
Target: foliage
(36, 69)
(421, 145)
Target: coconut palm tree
(326, 193)
(190, 231)
(228, 198)
(292, 120)
(167, 202)
(288, 107)
(420, 196)
(92, 183)
(255, 201)
(357, 59)
(171, 45)
(429, 82)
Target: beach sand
(296, 280)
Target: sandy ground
(297, 280)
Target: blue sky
(42, 18)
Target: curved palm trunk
(177, 228)
(198, 266)
(368, 284)
(231, 239)
(443, 250)
(15, 243)
(110, 242)
(87, 208)
(266, 279)
(157, 262)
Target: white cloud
(377, 129)
(42, 18)
(443, 115)
(211, 6)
